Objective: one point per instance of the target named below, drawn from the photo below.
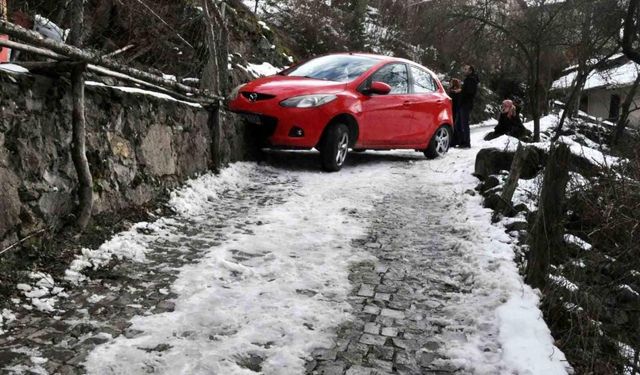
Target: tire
(359, 150)
(334, 147)
(439, 143)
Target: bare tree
(532, 30)
(593, 43)
(215, 74)
(631, 32)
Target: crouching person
(509, 123)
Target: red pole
(4, 52)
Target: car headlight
(234, 93)
(308, 101)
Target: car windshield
(339, 68)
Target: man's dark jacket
(469, 89)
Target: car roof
(382, 58)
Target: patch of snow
(527, 192)
(36, 359)
(125, 245)
(95, 298)
(577, 182)
(169, 77)
(260, 70)
(596, 157)
(575, 240)
(629, 289)
(24, 287)
(527, 344)
(571, 307)
(628, 352)
(6, 317)
(191, 80)
(578, 263)
(563, 282)
(13, 68)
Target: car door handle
(407, 103)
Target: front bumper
(281, 126)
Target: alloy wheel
(343, 149)
(442, 141)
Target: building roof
(620, 75)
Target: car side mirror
(379, 88)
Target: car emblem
(253, 96)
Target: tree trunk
(630, 30)
(547, 230)
(215, 77)
(534, 99)
(512, 181)
(624, 112)
(78, 150)
(570, 105)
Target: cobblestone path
(413, 304)
(41, 343)
(417, 271)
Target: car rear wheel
(440, 142)
(334, 147)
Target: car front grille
(257, 96)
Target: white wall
(600, 100)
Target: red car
(342, 101)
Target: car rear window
(339, 68)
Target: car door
(387, 120)
(426, 104)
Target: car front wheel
(440, 142)
(334, 147)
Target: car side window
(423, 82)
(394, 75)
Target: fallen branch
(119, 51)
(99, 70)
(75, 53)
(22, 240)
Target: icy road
(389, 266)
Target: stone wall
(138, 146)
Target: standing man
(467, 95)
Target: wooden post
(78, 147)
(512, 181)
(215, 75)
(547, 228)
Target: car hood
(291, 86)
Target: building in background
(606, 89)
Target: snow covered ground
(273, 285)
